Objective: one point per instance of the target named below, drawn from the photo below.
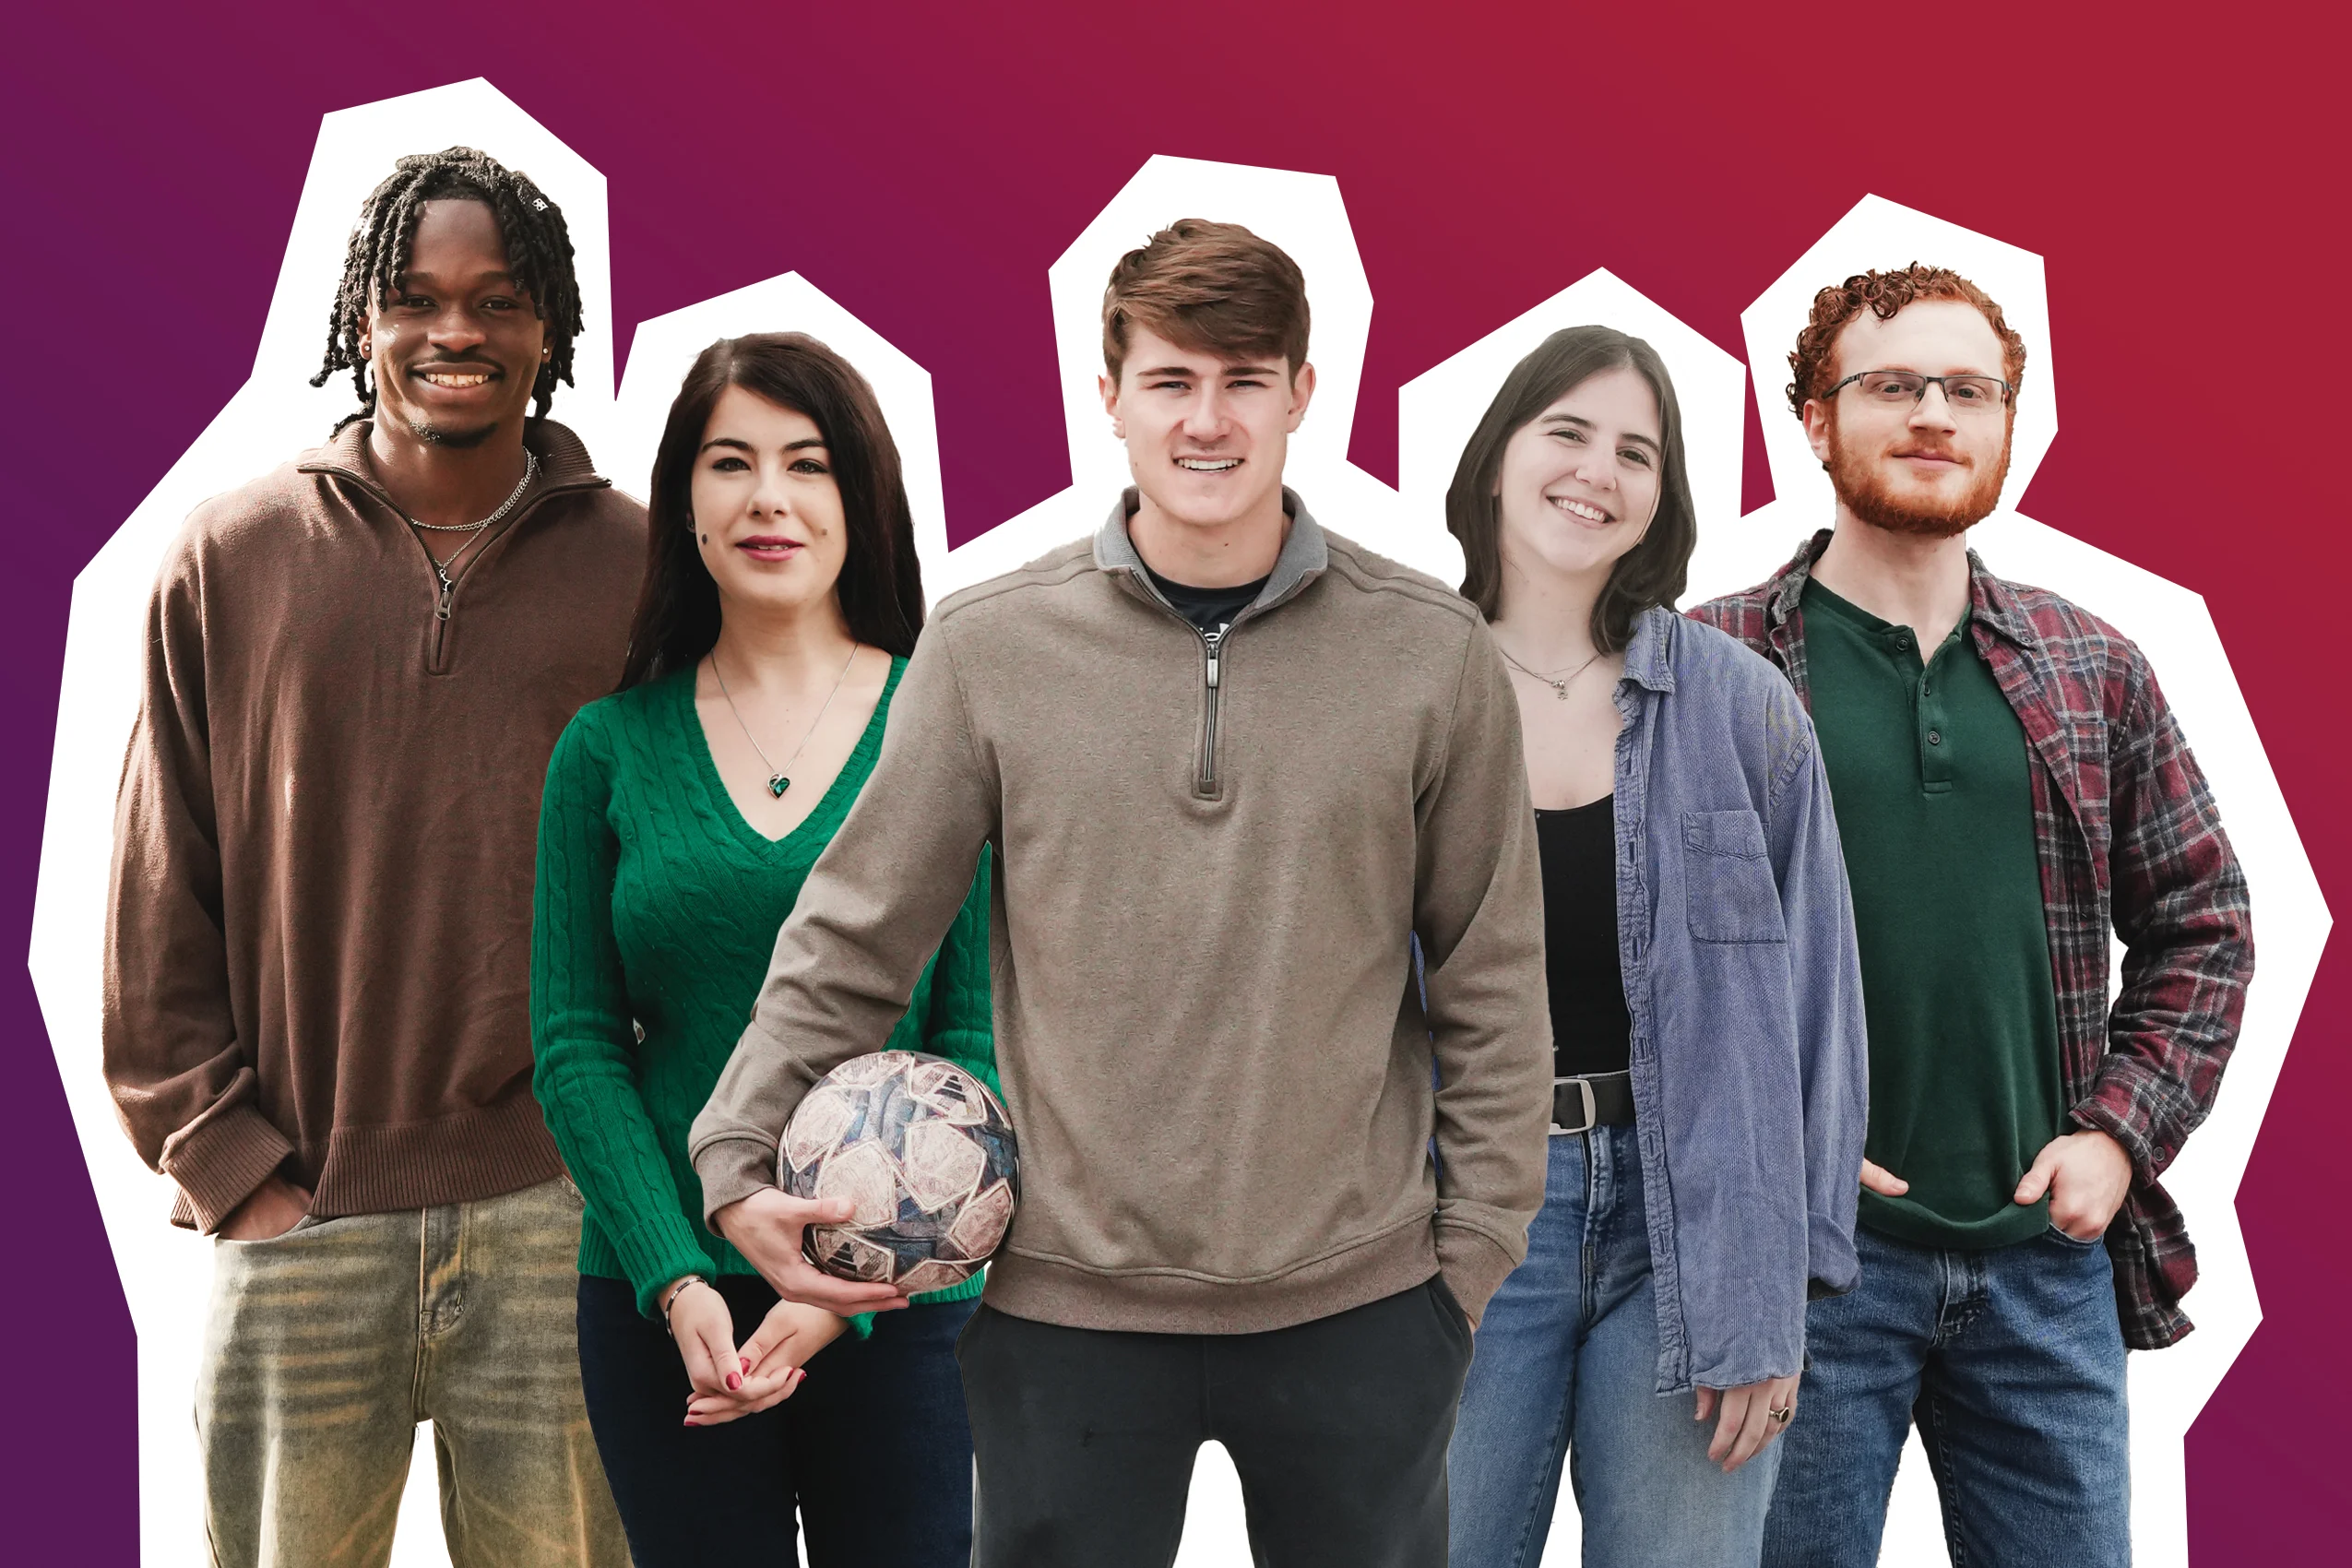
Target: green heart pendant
(778, 784)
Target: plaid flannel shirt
(2128, 839)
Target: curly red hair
(1883, 293)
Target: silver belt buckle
(1592, 1110)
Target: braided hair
(539, 253)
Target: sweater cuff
(218, 1161)
(1474, 1265)
(655, 1254)
(732, 1168)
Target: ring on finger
(1780, 1414)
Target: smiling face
(1932, 469)
(456, 346)
(767, 509)
(1578, 484)
(1205, 436)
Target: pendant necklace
(777, 782)
(1558, 683)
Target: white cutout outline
(1302, 213)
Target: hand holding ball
(925, 1156)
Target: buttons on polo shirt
(1937, 762)
(1903, 641)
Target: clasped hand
(730, 1382)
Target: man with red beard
(2011, 787)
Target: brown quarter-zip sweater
(1211, 858)
(319, 928)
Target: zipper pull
(1212, 639)
(441, 607)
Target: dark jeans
(2011, 1361)
(1337, 1429)
(872, 1451)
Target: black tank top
(1591, 1031)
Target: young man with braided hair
(317, 961)
(1233, 766)
(2012, 794)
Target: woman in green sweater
(682, 814)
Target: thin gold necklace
(777, 782)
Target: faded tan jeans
(327, 1345)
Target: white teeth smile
(1208, 465)
(454, 379)
(1579, 509)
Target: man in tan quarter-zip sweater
(1231, 766)
(317, 969)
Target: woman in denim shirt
(1704, 994)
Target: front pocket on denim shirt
(1728, 891)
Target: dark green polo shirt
(1928, 767)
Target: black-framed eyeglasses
(1907, 389)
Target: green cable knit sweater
(656, 914)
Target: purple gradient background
(924, 169)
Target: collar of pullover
(1302, 558)
(563, 462)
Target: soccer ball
(924, 1154)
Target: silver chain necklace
(441, 568)
(530, 468)
(1558, 684)
(777, 782)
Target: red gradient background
(2183, 179)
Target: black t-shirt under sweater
(1591, 1031)
(1210, 608)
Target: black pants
(872, 1451)
(1338, 1428)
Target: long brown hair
(880, 588)
(1653, 572)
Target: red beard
(1862, 489)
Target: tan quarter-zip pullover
(1212, 858)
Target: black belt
(1595, 1100)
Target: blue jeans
(2011, 1361)
(872, 1452)
(1566, 1363)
